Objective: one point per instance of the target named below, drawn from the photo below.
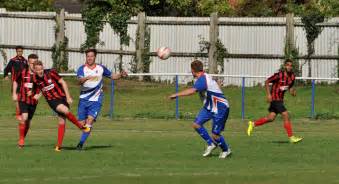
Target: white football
(164, 53)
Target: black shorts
(27, 108)
(54, 104)
(277, 107)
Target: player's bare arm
(293, 91)
(14, 87)
(268, 93)
(119, 75)
(37, 96)
(65, 87)
(186, 92)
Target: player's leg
(219, 121)
(288, 128)
(31, 111)
(63, 109)
(22, 123)
(61, 132)
(17, 111)
(85, 135)
(198, 126)
(269, 118)
(93, 109)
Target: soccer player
(282, 81)
(55, 90)
(215, 107)
(90, 76)
(27, 104)
(15, 65)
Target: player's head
(39, 68)
(32, 58)
(288, 64)
(90, 56)
(197, 67)
(19, 50)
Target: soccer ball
(164, 53)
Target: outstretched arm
(119, 75)
(268, 92)
(185, 92)
(65, 87)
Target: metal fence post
(111, 107)
(312, 101)
(243, 99)
(177, 98)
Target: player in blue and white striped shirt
(90, 76)
(215, 107)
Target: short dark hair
(19, 47)
(197, 66)
(33, 56)
(91, 50)
(288, 61)
(38, 62)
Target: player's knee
(62, 108)
(195, 125)
(215, 136)
(284, 114)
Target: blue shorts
(88, 108)
(219, 119)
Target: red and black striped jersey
(281, 82)
(48, 84)
(25, 80)
(15, 65)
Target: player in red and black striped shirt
(55, 90)
(27, 104)
(281, 82)
(14, 66)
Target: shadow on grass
(39, 145)
(88, 147)
(280, 142)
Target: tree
(27, 5)
(115, 12)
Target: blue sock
(84, 137)
(222, 143)
(204, 134)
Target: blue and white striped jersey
(91, 90)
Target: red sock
(73, 119)
(21, 133)
(61, 133)
(261, 121)
(288, 128)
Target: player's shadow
(39, 145)
(280, 142)
(88, 147)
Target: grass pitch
(143, 144)
(169, 151)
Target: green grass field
(168, 151)
(144, 144)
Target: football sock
(21, 133)
(204, 134)
(61, 133)
(261, 121)
(73, 119)
(288, 128)
(222, 143)
(85, 135)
